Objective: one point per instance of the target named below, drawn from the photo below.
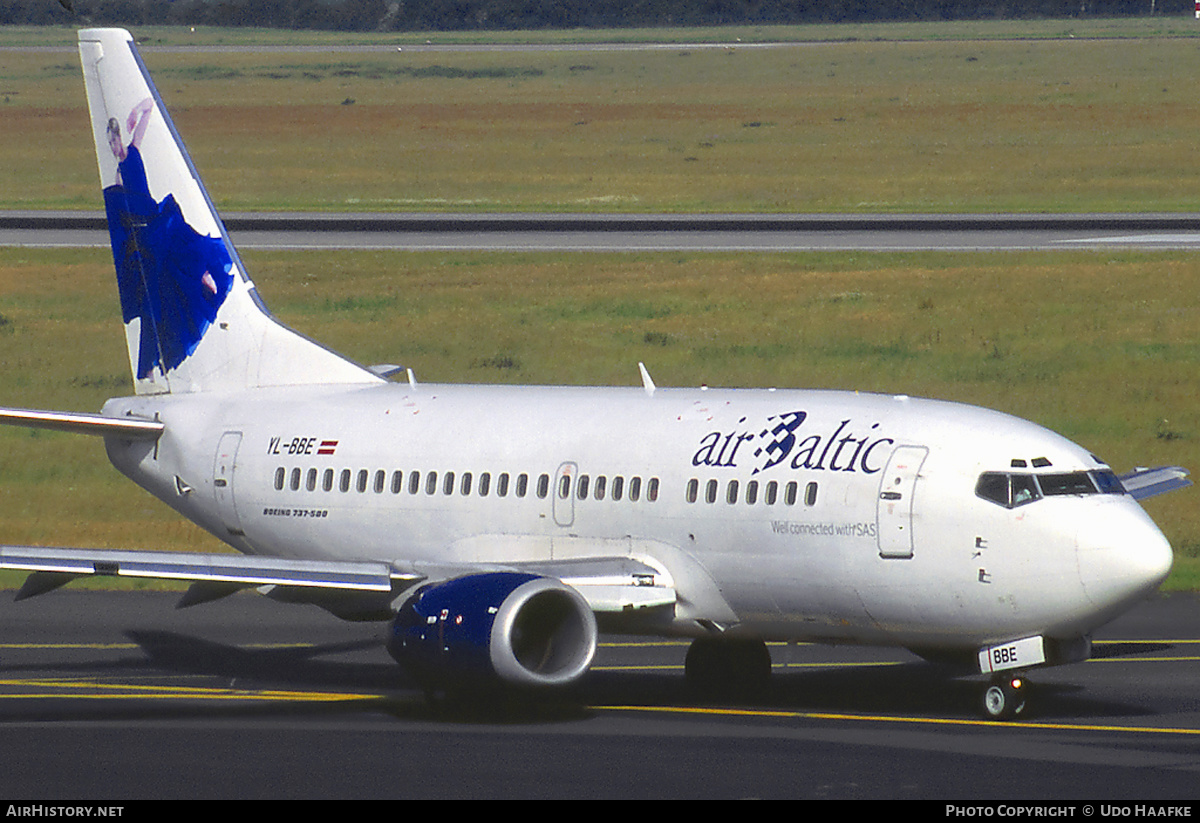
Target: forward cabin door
(894, 508)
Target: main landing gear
(723, 666)
(1004, 698)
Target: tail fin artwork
(193, 320)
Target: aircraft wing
(356, 590)
(360, 587)
(1143, 483)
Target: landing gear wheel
(725, 666)
(1004, 698)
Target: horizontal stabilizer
(129, 428)
(1143, 483)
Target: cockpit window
(993, 486)
(1067, 483)
(1107, 482)
(1013, 489)
(1024, 489)
(1008, 490)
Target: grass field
(862, 125)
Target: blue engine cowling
(518, 629)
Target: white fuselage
(813, 515)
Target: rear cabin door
(224, 464)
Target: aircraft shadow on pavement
(361, 666)
(916, 688)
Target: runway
(646, 232)
(112, 696)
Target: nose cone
(1123, 557)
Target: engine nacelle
(519, 629)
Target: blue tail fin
(193, 320)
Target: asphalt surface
(645, 232)
(117, 696)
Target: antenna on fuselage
(647, 383)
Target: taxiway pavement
(116, 695)
(646, 232)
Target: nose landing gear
(1004, 698)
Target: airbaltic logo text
(847, 448)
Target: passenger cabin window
(432, 483)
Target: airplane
(500, 529)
